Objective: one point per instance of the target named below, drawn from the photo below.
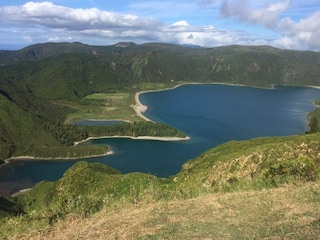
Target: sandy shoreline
(139, 108)
(317, 87)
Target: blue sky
(289, 24)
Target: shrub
(302, 169)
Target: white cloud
(181, 23)
(295, 34)
(28, 39)
(46, 21)
(93, 22)
(305, 31)
(266, 15)
(49, 15)
(207, 27)
(59, 39)
(285, 42)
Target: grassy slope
(289, 212)
(246, 165)
(21, 116)
(199, 201)
(18, 121)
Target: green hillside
(30, 127)
(242, 170)
(254, 164)
(72, 71)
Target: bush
(302, 169)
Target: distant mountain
(73, 70)
(42, 51)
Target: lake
(209, 114)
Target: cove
(209, 114)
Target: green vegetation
(44, 85)
(314, 125)
(30, 126)
(260, 188)
(314, 119)
(110, 105)
(254, 164)
(134, 129)
(76, 74)
(265, 174)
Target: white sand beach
(139, 108)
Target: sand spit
(167, 139)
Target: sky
(286, 24)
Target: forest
(68, 134)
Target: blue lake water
(209, 114)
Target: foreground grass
(288, 212)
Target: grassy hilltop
(260, 188)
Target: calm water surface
(209, 114)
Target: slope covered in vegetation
(72, 71)
(241, 171)
(29, 126)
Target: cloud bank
(267, 16)
(294, 34)
(46, 21)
